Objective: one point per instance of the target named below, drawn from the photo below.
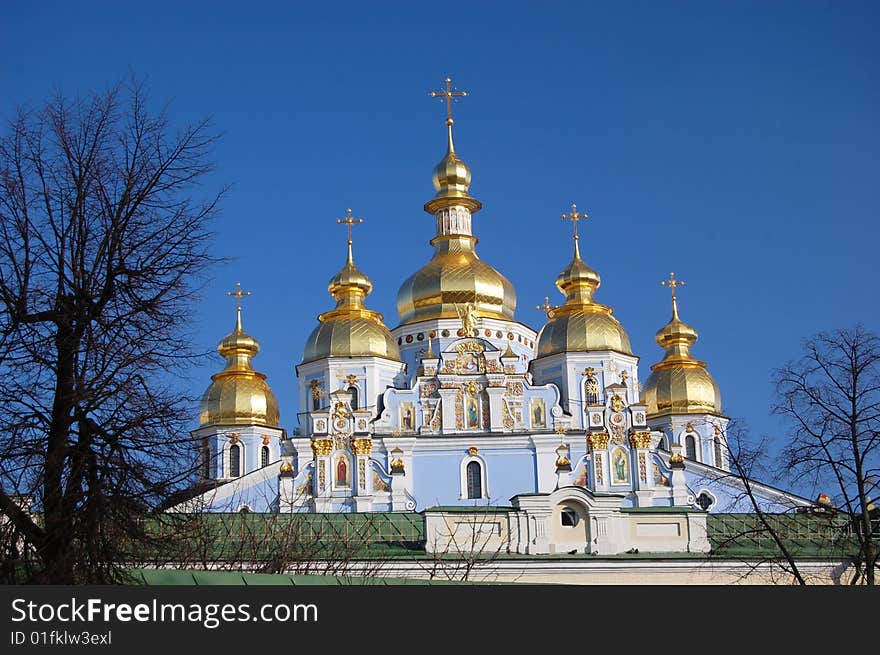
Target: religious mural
(619, 467)
(539, 413)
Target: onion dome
(350, 330)
(238, 395)
(581, 324)
(680, 384)
(455, 275)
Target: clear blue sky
(735, 143)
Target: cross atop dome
(546, 306)
(349, 221)
(574, 217)
(449, 95)
(238, 294)
(672, 283)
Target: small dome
(583, 331)
(238, 395)
(452, 177)
(349, 276)
(679, 383)
(581, 324)
(350, 330)
(239, 401)
(681, 390)
(351, 337)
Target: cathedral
(461, 407)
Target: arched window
(569, 518)
(690, 447)
(234, 460)
(719, 455)
(474, 480)
(353, 390)
(206, 461)
(316, 402)
(663, 443)
(264, 456)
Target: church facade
(463, 406)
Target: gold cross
(449, 96)
(623, 376)
(672, 283)
(238, 294)
(574, 217)
(348, 221)
(546, 306)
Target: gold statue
(468, 316)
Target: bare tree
(469, 539)
(831, 397)
(104, 235)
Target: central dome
(455, 275)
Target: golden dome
(680, 384)
(238, 395)
(455, 275)
(581, 325)
(452, 177)
(350, 330)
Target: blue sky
(735, 143)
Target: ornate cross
(623, 377)
(546, 306)
(348, 221)
(449, 96)
(672, 283)
(238, 294)
(574, 217)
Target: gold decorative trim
(598, 440)
(322, 447)
(362, 446)
(473, 450)
(640, 440)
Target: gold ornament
(598, 440)
(322, 447)
(640, 440)
(363, 446)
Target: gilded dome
(351, 336)
(350, 329)
(455, 275)
(681, 390)
(679, 383)
(581, 324)
(238, 395)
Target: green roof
(468, 509)
(154, 577)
